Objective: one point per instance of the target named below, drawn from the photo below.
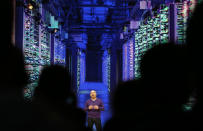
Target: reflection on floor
(102, 93)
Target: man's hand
(90, 107)
(96, 107)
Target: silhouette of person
(195, 46)
(14, 111)
(94, 106)
(166, 72)
(55, 103)
(155, 101)
(130, 108)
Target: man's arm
(86, 106)
(101, 106)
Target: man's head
(93, 94)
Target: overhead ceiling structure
(99, 14)
(95, 17)
(63, 10)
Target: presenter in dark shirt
(94, 106)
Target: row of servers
(41, 47)
(166, 24)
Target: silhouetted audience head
(166, 68)
(156, 100)
(166, 73)
(54, 84)
(195, 46)
(14, 112)
(55, 103)
(194, 39)
(131, 108)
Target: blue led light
(106, 68)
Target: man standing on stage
(94, 106)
